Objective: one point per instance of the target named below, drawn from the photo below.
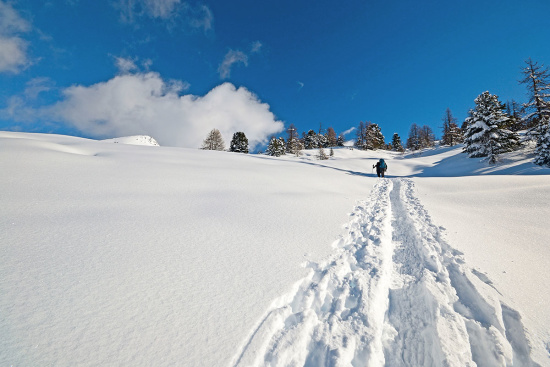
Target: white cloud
(232, 57)
(300, 85)
(13, 49)
(256, 47)
(350, 130)
(125, 65)
(199, 16)
(144, 103)
(36, 86)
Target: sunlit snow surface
(113, 254)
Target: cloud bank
(13, 49)
(143, 103)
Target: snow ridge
(394, 294)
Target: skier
(381, 167)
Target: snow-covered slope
(122, 255)
(134, 140)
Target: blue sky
(158, 67)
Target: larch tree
(452, 134)
(537, 79)
(213, 141)
(414, 140)
(331, 137)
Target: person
(381, 167)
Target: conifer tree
(276, 147)
(331, 137)
(451, 132)
(414, 139)
(427, 137)
(542, 151)
(322, 155)
(373, 137)
(239, 143)
(485, 134)
(537, 80)
(396, 144)
(213, 141)
(311, 140)
(360, 133)
(341, 140)
(293, 145)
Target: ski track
(394, 294)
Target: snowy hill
(122, 255)
(134, 140)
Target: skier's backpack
(383, 165)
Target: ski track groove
(393, 294)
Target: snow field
(129, 255)
(394, 294)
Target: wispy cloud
(231, 57)
(256, 47)
(348, 131)
(13, 49)
(195, 16)
(300, 85)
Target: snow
(134, 140)
(121, 254)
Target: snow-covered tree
(542, 151)
(293, 144)
(396, 144)
(485, 134)
(374, 138)
(322, 154)
(239, 143)
(311, 140)
(341, 140)
(537, 80)
(276, 147)
(213, 141)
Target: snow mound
(134, 140)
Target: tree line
(490, 129)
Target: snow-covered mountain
(123, 255)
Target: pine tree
(373, 137)
(213, 141)
(485, 134)
(239, 143)
(341, 140)
(311, 140)
(396, 143)
(276, 147)
(542, 151)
